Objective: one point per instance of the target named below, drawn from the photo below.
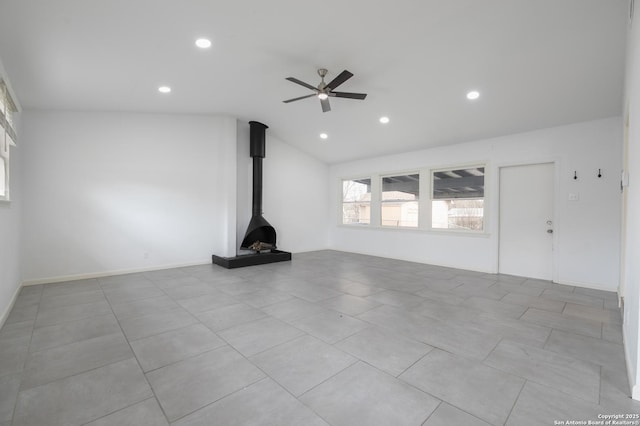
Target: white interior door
(526, 221)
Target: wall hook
(575, 175)
(599, 173)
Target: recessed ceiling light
(384, 120)
(203, 43)
(474, 94)
(164, 89)
(323, 136)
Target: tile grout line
(515, 401)
(432, 413)
(217, 400)
(418, 360)
(600, 372)
(123, 408)
(15, 403)
(138, 362)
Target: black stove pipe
(257, 151)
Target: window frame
(342, 202)
(425, 199)
(381, 178)
(484, 198)
(5, 143)
(8, 135)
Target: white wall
(295, 194)
(113, 192)
(587, 231)
(243, 180)
(631, 284)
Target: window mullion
(424, 202)
(375, 201)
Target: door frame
(556, 202)
(623, 210)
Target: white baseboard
(75, 277)
(631, 373)
(592, 286)
(420, 261)
(7, 311)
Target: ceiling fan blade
(325, 105)
(301, 83)
(344, 76)
(348, 95)
(297, 99)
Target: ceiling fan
(324, 90)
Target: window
(356, 201)
(7, 137)
(3, 182)
(457, 200)
(399, 200)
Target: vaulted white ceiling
(536, 64)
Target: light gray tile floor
(331, 338)
(302, 363)
(474, 387)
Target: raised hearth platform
(251, 259)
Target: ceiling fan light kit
(323, 91)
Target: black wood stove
(260, 237)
